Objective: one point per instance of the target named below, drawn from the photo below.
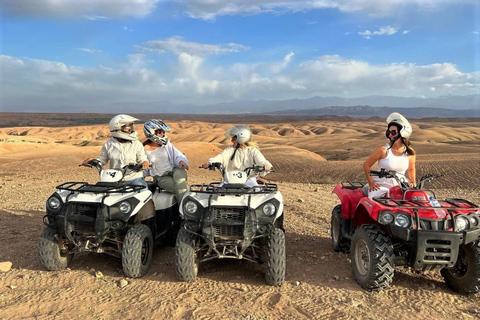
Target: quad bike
(408, 227)
(229, 219)
(112, 217)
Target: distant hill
(383, 112)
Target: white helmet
(402, 122)
(241, 132)
(150, 128)
(121, 126)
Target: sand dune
(309, 158)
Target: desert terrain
(309, 156)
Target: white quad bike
(111, 217)
(230, 219)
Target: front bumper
(434, 248)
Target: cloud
(388, 31)
(177, 45)
(210, 9)
(88, 50)
(86, 9)
(36, 84)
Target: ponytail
(410, 151)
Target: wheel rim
(145, 251)
(362, 257)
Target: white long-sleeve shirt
(121, 154)
(244, 158)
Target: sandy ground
(310, 158)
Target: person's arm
(180, 160)
(225, 154)
(376, 155)
(259, 159)
(142, 155)
(412, 171)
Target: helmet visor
(127, 128)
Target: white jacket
(174, 156)
(244, 158)
(121, 154)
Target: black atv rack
(99, 187)
(215, 187)
(421, 204)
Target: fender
(349, 198)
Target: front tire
(339, 243)
(372, 258)
(50, 253)
(186, 259)
(464, 277)
(276, 258)
(137, 251)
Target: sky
(65, 54)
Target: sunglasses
(159, 131)
(392, 132)
(128, 128)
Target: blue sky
(71, 53)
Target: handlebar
(383, 173)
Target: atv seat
(365, 190)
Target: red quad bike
(409, 227)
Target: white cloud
(177, 45)
(40, 83)
(89, 50)
(210, 9)
(383, 31)
(406, 31)
(87, 9)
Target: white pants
(385, 185)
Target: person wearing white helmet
(242, 154)
(168, 164)
(397, 155)
(123, 148)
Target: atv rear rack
(99, 187)
(215, 187)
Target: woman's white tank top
(393, 162)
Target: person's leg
(180, 179)
(165, 182)
(381, 192)
(139, 182)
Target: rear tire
(339, 243)
(186, 260)
(49, 251)
(464, 277)
(276, 258)
(137, 251)
(372, 258)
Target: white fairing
(256, 200)
(163, 200)
(112, 198)
(235, 177)
(110, 175)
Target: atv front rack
(99, 187)
(216, 187)
(455, 204)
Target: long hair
(252, 144)
(410, 151)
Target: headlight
(190, 207)
(402, 220)
(54, 203)
(269, 209)
(386, 217)
(125, 207)
(461, 223)
(473, 220)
